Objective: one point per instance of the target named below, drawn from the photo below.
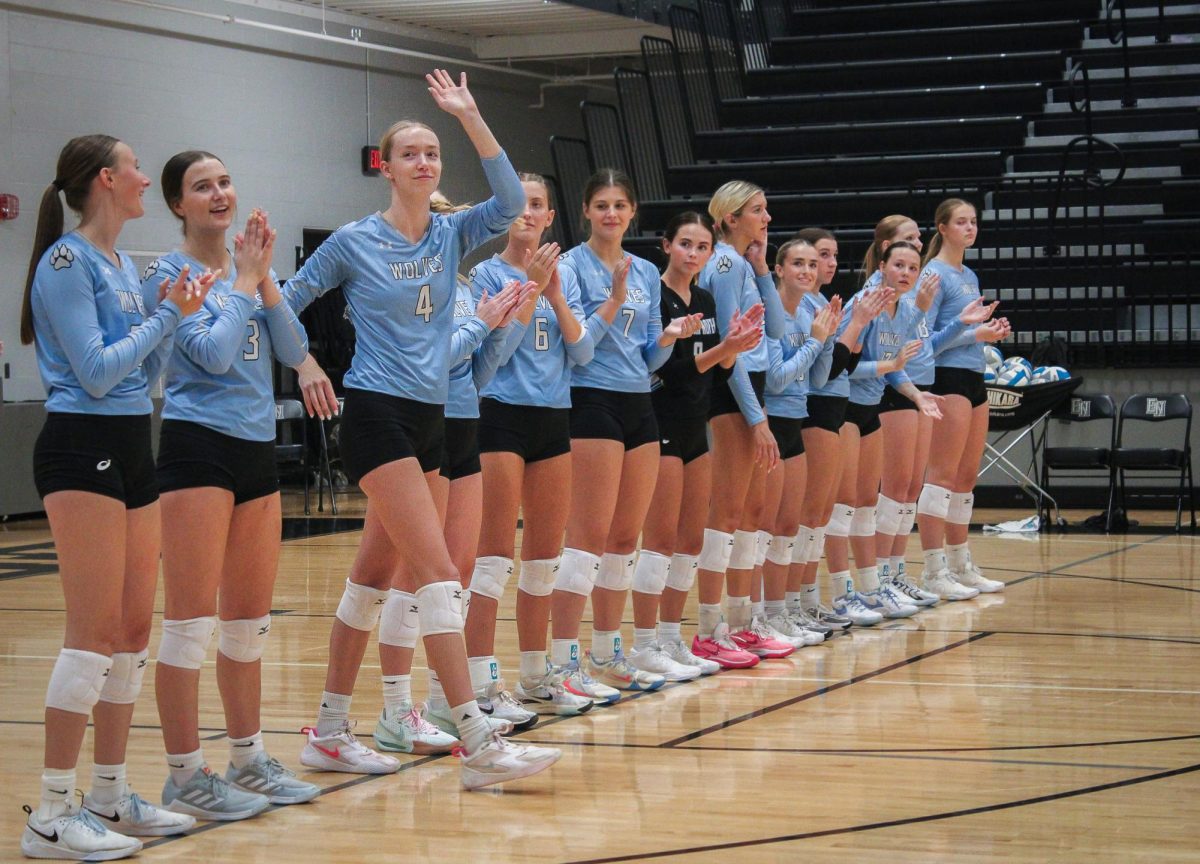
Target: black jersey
(678, 388)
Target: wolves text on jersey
(421, 268)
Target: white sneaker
(617, 673)
(551, 693)
(653, 659)
(134, 816)
(943, 584)
(829, 618)
(913, 594)
(972, 578)
(807, 621)
(852, 606)
(342, 752)
(498, 761)
(505, 707)
(678, 651)
(440, 717)
(891, 604)
(785, 628)
(75, 835)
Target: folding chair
(289, 413)
(1081, 460)
(1157, 462)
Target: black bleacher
(845, 113)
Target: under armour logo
(103, 465)
(1156, 407)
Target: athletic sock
(533, 664)
(183, 765)
(333, 714)
(811, 597)
(710, 617)
(108, 783)
(473, 729)
(775, 608)
(739, 613)
(669, 631)
(564, 652)
(58, 785)
(643, 637)
(841, 583)
(437, 696)
(868, 579)
(758, 609)
(484, 671)
(935, 561)
(956, 557)
(243, 751)
(605, 644)
(397, 694)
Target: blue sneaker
(267, 776)
(860, 614)
(210, 796)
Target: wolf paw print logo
(62, 257)
(150, 270)
(725, 264)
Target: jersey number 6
(541, 336)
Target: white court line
(878, 682)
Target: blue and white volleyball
(992, 356)
(989, 376)
(1017, 363)
(1015, 376)
(1049, 374)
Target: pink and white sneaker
(720, 649)
(758, 640)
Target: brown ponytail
(78, 164)
(941, 217)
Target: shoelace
(135, 807)
(419, 723)
(85, 818)
(274, 767)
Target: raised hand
(252, 251)
(317, 389)
(683, 327)
(552, 291)
(927, 290)
(870, 304)
(976, 312)
(908, 352)
(187, 294)
(541, 263)
(491, 310)
(929, 404)
(454, 99)
(620, 275)
(756, 254)
(995, 330)
(527, 294)
(744, 331)
(825, 322)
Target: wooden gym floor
(1058, 721)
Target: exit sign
(371, 160)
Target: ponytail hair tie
(57, 184)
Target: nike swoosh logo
(247, 744)
(115, 818)
(106, 777)
(59, 792)
(53, 837)
(335, 753)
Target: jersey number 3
(424, 304)
(251, 352)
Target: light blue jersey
(882, 340)
(536, 362)
(813, 303)
(96, 346)
(219, 372)
(920, 369)
(628, 351)
(797, 360)
(957, 291)
(400, 295)
(475, 352)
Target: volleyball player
(614, 439)
(803, 356)
(888, 345)
(97, 352)
(944, 507)
(398, 270)
(681, 393)
(220, 493)
(525, 444)
(744, 449)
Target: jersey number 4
(424, 304)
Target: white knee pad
(961, 505)
(537, 577)
(887, 516)
(908, 517)
(839, 521)
(400, 624)
(650, 574)
(682, 575)
(578, 572)
(244, 639)
(440, 608)
(745, 545)
(862, 524)
(818, 546)
(491, 575)
(760, 549)
(934, 501)
(714, 554)
(780, 549)
(361, 606)
(185, 642)
(616, 571)
(124, 681)
(77, 680)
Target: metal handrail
(1090, 177)
(1128, 100)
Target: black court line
(894, 823)
(1088, 560)
(1129, 582)
(1135, 637)
(821, 691)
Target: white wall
(287, 115)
